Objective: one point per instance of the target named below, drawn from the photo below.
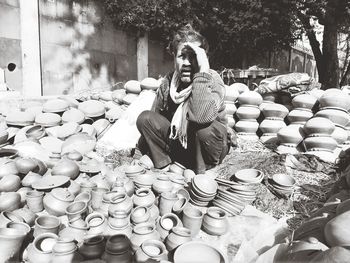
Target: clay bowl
(48, 119)
(92, 108)
(204, 184)
(144, 180)
(133, 170)
(319, 125)
(197, 197)
(183, 193)
(36, 132)
(198, 252)
(149, 84)
(55, 106)
(73, 115)
(283, 180)
(249, 176)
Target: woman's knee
(143, 119)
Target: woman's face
(186, 62)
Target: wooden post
(142, 57)
(30, 36)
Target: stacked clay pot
(319, 140)
(247, 113)
(289, 138)
(302, 109)
(274, 114)
(231, 96)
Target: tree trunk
(316, 50)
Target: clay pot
(48, 119)
(178, 236)
(144, 180)
(166, 223)
(162, 184)
(230, 108)
(65, 256)
(46, 224)
(340, 135)
(118, 95)
(76, 229)
(73, 115)
(55, 106)
(26, 165)
(74, 188)
(247, 112)
(93, 247)
(80, 142)
(119, 219)
(23, 214)
(30, 178)
(23, 191)
(118, 249)
(74, 156)
(149, 84)
(146, 162)
(7, 167)
(300, 116)
(11, 240)
(192, 219)
(7, 217)
(166, 202)
(249, 126)
(97, 197)
(77, 210)
(271, 126)
(143, 197)
(132, 171)
(240, 87)
(114, 114)
(84, 196)
(304, 101)
(320, 143)
(231, 94)
(250, 98)
(335, 98)
(215, 221)
(9, 201)
(66, 167)
(96, 222)
(34, 201)
(92, 108)
(10, 183)
(179, 206)
(40, 251)
(151, 251)
(120, 202)
(199, 249)
(291, 135)
(19, 118)
(140, 214)
(154, 211)
(57, 200)
(342, 118)
(141, 233)
(336, 230)
(319, 126)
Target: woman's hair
(187, 34)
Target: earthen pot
(30, 178)
(7, 166)
(92, 108)
(140, 214)
(306, 101)
(132, 86)
(46, 224)
(271, 126)
(320, 143)
(118, 249)
(231, 94)
(151, 251)
(80, 142)
(9, 201)
(166, 223)
(129, 98)
(177, 236)
(96, 222)
(340, 135)
(57, 201)
(250, 98)
(336, 230)
(335, 98)
(141, 233)
(40, 251)
(67, 168)
(143, 197)
(93, 247)
(20, 118)
(120, 202)
(75, 210)
(24, 215)
(339, 117)
(299, 115)
(248, 126)
(215, 221)
(292, 134)
(319, 126)
(10, 183)
(73, 115)
(11, 240)
(230, 108)
(35, 132)
(240, 87)
(149, 84)
(248, 112)
(48, 119)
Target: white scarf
(179, 122)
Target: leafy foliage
(234, 28)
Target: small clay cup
(34, 201)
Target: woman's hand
(202, 59)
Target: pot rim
(47, 216)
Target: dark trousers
(207, 145)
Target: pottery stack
(203, 190)
(289, 139)
(274, 114)
(282, 183)
(231, 96)
(302, 111)
(248, 113)
(319, 140)
(334, 105)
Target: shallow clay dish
(249, 176)
(204, 184)
(50, 182)
(283, 180)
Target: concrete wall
(78, 52)
(10, 42)
(160, 62)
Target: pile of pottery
(231, 96)
(240, 191)
(282, 183)
(203, 190)
(302, 109)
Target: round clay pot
(178, 236)
(66, 167)
(73, 115)
(119, 219)
(46, 224)
(335, 98)
(48, 119)
(92, 108)
(162, 184)
(300, 116)
(7, 217)
(93, 247)
(118, 95)
(340, 135)
(339, 117)
(320, 143)
(75, 210)
(166, 202)
(120, 202)
(151, 251)
(305, 101)
(230, 108)
(215, 221)
(319, 126)
(271, 126)
(57, 200)
(177, 168)
(149, 84)
(19, 118)
(166, 223)
(231, 94)
(81, 142)
(292, 134)
(114, 114)
(243, 126)
(143, 197)
(11, 240)
(275, 110)
(40, 251)
(76, 229)
(247, 112)
(141, 233)
(140, 214)
(336, 231)
(96, 222)
(10, 183)
(26, 165)
(118, 249)
(250, 98)
(9, 201)
(132, 86)
(145, 180)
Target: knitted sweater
(206, 102)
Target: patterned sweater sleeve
(207, 96)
